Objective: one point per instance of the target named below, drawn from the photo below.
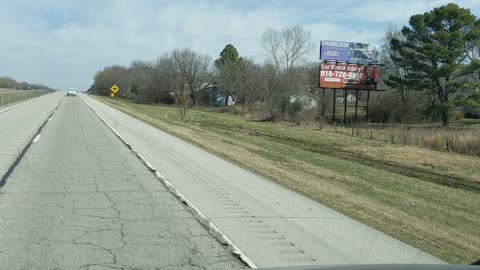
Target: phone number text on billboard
(340, 74)
(349, 76)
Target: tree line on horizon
(431, 69)
(10, 83)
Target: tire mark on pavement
(3, 181)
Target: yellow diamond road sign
(114, 88)
(112, 94)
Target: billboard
(348, 51)
(349, 76)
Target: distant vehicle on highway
(71, 92)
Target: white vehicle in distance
(71, 92)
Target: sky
(64, 43)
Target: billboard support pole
(345, 107)
(323, 102)
(356, 104)
(368, 101)
(334, 104)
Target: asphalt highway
(78, 198)
(18, 124)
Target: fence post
(323, 102)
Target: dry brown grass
(462, 141)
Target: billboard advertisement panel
(348, 51)
(349, 76)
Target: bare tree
(271, 82)
(249, 83)
(182, 96)
(286, 49)
(310, 74)
(163, 81)
(193, 70)
(189, 72)
(142, 81)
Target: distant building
(350, 98)
(308, 100)
(212, 95)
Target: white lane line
(36, 138)
(218, 234)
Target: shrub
(384, 107)
(435, 140)
(466, 143)
(293, 109)
(307, 116)
(457, 114)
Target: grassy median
(426, 198)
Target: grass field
(408, 192)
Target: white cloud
(63, 43)
(399, 11)
(119, 33)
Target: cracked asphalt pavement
(80, 199)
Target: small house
(350, 98)
(212, 95)
(308, 100)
